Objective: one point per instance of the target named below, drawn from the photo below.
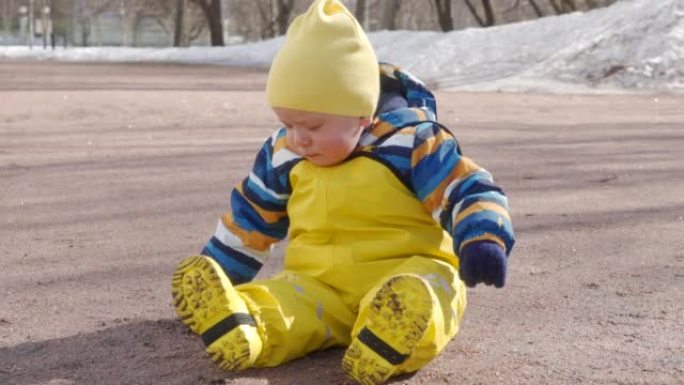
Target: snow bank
(632, 45)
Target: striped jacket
(423, 155)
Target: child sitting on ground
(386, 219)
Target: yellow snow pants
(352, 228)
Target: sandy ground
(110, 174)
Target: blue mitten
(483, 262)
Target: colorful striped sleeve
(461, 196)
(258, 217)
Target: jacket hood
(401, 89)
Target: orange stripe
(381, 128)
(269, 217)
(481, 206)
(428, 147)
(485, 237)
(280, 144)
(253, 239)
(436, 198)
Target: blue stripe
(400, 116)
(262, 198)
(425, 180)
(248, 219)
(276, 179)
(489, 196)
(230, 265)
(400, 162)
(262, 167)
(237, 255)
(395, 150)
(484, 222)
(446, 216)
(476, 182)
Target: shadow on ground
(148, 352)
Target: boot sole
(399, 315)
(205, 301)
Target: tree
(178, 27)
(212, 12)
(563, 6)
(282, 16)
(536, 8)
(7, 12)
(389, 20)
(488, 20)
(446, 22)
(360, 12)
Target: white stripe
(226, 236)
(282, 156)
(438, 211)
(429, 113)
(454, 212)
(255, 179)
(400, 140)
(367, 140)
(457, 207)
(488, 176)
(229, 239)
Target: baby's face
(323, 139)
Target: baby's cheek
(289, 143)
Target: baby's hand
(483, 262)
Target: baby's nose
(302, 139)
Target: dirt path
(109, 174)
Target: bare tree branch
(267, 27)
(489, 13)
(473, 11)
(446, 22)
(537, 9)
(284, 8)
(512, 7)
(555, 7)
(212, 13)
(569, 5)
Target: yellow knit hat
(326, 65)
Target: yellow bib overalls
(352, 227)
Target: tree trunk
(179, 28)
(7, 13)
(126, 14)
(266, 27)
(473, 11)
(489, 13)
(568, 5)
(537, 9)
(446, 22)
(283, 15)
(212, 12)
(489, 19)
(360, 12)
(389, 20)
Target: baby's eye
(315, 128)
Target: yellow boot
(397, 319)
(206, 301)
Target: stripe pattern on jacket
(424, 155)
